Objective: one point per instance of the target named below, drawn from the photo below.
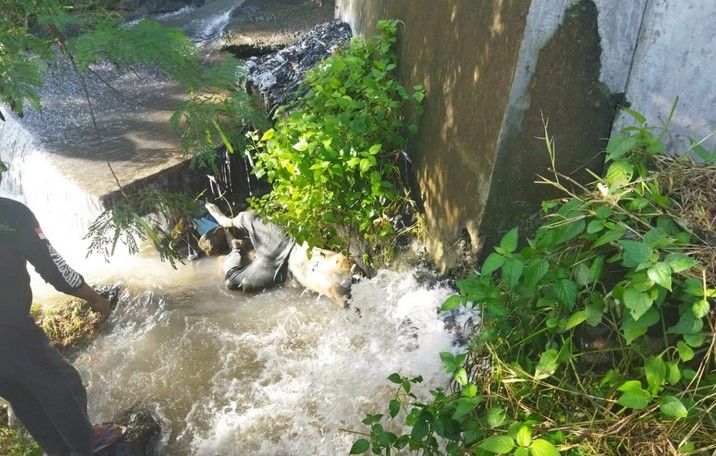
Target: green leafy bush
(597, 336)
(333, 158)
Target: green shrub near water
(333, 158)
(597, 337)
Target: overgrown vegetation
(598, 336)
(333, 158)
(126, 222)
(67, 323)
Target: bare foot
(215, 212)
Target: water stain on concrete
(566, 94)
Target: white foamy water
(62, 208)
(275, 373)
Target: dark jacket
(22, 241)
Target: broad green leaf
(452, 302)
(708, 156)
(301, 146)
(512, 271)
(576, 319)
(509, 240)
(360, 446)
(657, 238)
(655, 371)
(393, 408)
(524, 436)
(635, 253)
(685, 352)
(619, 173)
(596, 269)
(268, 134)
(498, 444)
(522, 452)
(581, 275)
(469, 390)
(694, 340)
(595, 313)
(464, 406)
(673, 373)
(636, 328)
(395, 378)
(619, 145)
(603, 212)
(636, 115)
(687, 324)
(566, 292)
(637, 302)
(595, 226)
(535, 271)
(461, 376)
(680, 262)
(541, 447)
(493, 262)
(448, 360)
(635, 398)
(673, 407)
(660, 273)
(700, 308)
(495, 417)
(547, 364)
(613, 234)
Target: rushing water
(275, 373)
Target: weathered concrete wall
(676, 57)
(465, 53)
(564, 62)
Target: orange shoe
(106, 435)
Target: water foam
(277, 373)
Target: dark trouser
(257, 276)
(44, 390)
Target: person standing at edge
(44, 390)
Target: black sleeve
(40, 253)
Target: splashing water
(275, 373)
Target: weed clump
(598, 334)
(66, 324)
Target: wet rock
(276, 76)
(214, 242)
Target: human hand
(101, 305)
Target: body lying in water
(322, 271)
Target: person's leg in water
(47, 395)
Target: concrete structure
(496, 70)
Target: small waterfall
(62, 208)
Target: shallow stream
(282, 372)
